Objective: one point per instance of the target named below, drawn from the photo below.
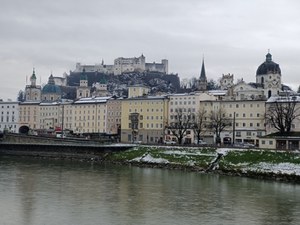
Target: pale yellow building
(89, 115)
(247, 117)
(29, 115)
(56, 115)
(50, 117)
(137, 90)
(114, 114)
(144, 119)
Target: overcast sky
(233, 36)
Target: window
(270, 142)
(263, 142)
(248, 133)
(238, 133)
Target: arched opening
(269, 93)
(24, 129)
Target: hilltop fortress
(125, 65)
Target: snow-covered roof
(92, 100)
(284, 99)
(217, 92)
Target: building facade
(144, 119)
(9, 120)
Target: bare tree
(281, 113)
(181, 123)
(199, 123)
(218, 122)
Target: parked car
(244, 145)
(169, 142)
(201, 142)
(137, 142)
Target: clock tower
(268, 75)
(33, 91)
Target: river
(39, 191)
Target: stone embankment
(26, 145)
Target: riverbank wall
(26, 145)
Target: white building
(189, 104)
(9, 120)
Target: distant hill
(117, 84)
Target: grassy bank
(266, 164)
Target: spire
(268, 56)
(33, 78)
(203, 74)
(51, 80)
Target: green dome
(51, 88)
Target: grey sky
(234, 36)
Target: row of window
(183, 103)
(7, 112)
(248, 133)
(245, 125)
(8, 119)
(148, 110)
(245, 115)
(141, 125)
(148, 103)
(242, 105)
(2, 107)
(182, 110)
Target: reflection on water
(35, 192)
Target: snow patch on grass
(224, 151)
(147, 158)
(177, 152)
(281, 168)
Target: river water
(39, 191)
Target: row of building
(152, 119)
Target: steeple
(51, 80)
(202, 84)
(33, 78)
(203, 74)
(268, 57)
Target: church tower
(202, 84)
(33, 91)
(83, 91)
(268, 75)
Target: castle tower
(202, 84)
(226, 81)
